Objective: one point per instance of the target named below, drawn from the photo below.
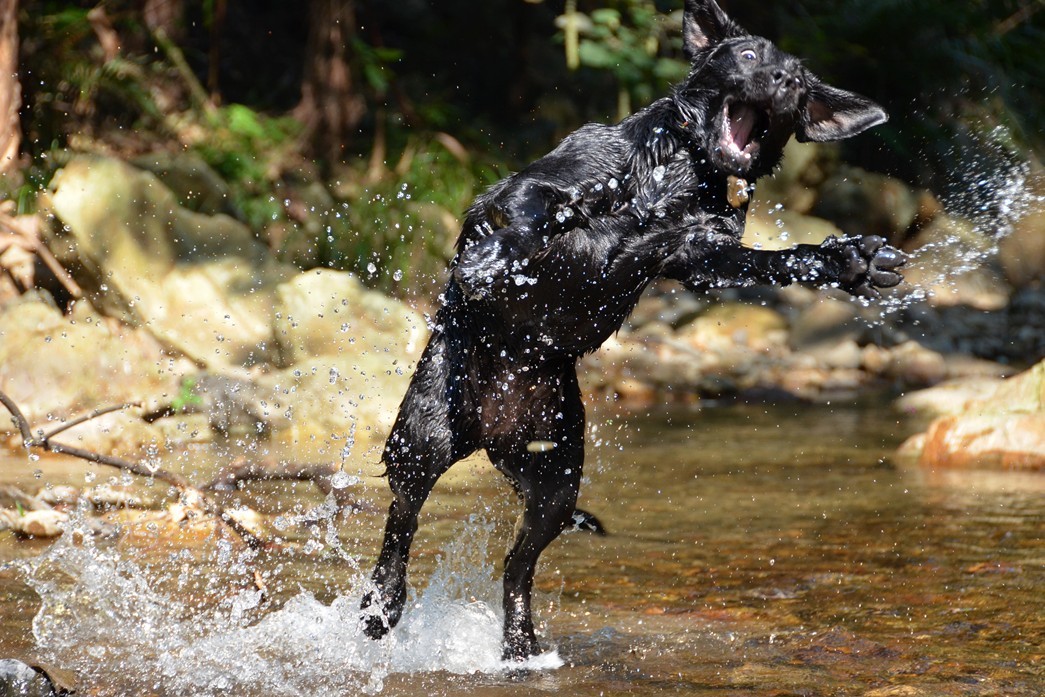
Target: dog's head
(744, 97)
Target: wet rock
(39, 523)
(201, 284)
(18, 679)
(1005, 429)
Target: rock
(201, 284)
(865, 203)
(18, 679)
(731, 323)
(826, 322)
(349, 355)
(330, 313)
(195, 184)
(1005, 429)
(950, 263)
(39, 523)
(796, 182)
(952, 397)
(913, 364)
(785, 228)
(59, 366)
(351, 397)
(230, 403)
(1021, 253)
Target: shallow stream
(753, 550)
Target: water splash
(102, 618)
(998, 193)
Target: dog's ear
(704, 24)
(834, 114)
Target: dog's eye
(748, 55)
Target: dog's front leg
(512, 231)
(858, 265)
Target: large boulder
(348, 354)
(56, 364)
(200, 283)
(1003, 429)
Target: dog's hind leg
(548, 479)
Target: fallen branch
(320, 474)
(188, 492)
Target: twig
(44, 442)
(87, 417)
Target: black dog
(552, 259)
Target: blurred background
(298, 106)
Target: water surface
(753, 551)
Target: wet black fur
(551, 260)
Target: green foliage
(634, 42)
(186, 396)
(249, 150)
(944, 70)
(397, 230)
(374, 62)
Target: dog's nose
(784, 79)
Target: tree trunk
(10, 90)
(330, 108)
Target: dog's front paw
(868, 264)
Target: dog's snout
(785, 79)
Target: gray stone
(20, 680)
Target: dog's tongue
(741, 123)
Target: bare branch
(320, 474)
(44, 442)
(18, 418)
(87, 417)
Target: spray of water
(102, 618)
(998, 193)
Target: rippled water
(753, 551)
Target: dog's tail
(582, 520)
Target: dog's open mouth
(742, 126)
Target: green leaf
(597, 55)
